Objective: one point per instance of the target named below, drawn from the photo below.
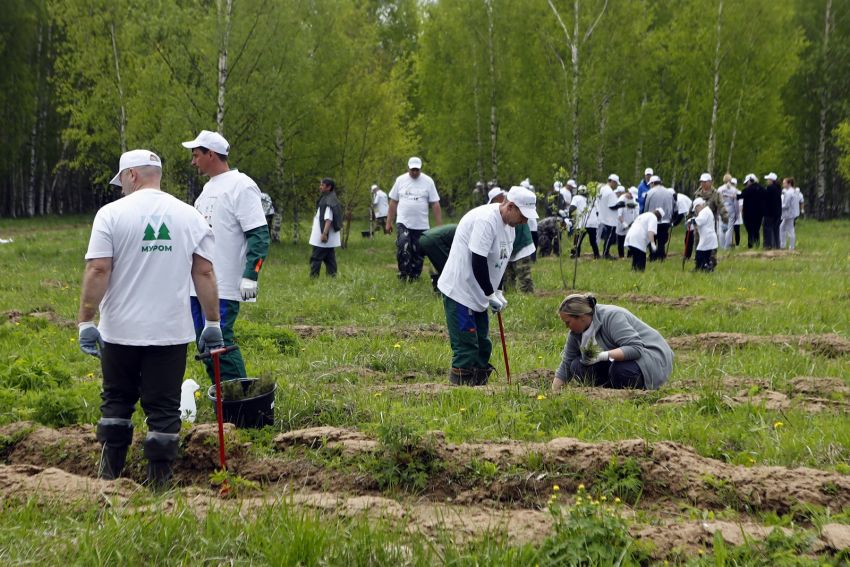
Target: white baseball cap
(525, 183)
(648, 171)
(493, 193)
(734, 181)
(770, 176)
(135, 158)
(525, 200)
(750, 177)
(373, 187)
(572, 183)
(633, 191)
(615, 178)
(414, 163)
(705, 177)
(620, 189)
(698, 201)
(654, 179)
(211, 141)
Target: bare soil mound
(830, 345)
(49, 316)
(769, 254)
(436, 389)
(26, 481)
(818, 386)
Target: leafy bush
(404, 460)
(620, 480)
(591, 532)
(59, 407)
(26, 374)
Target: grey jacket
(656, 197)
(619, 328)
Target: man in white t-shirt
(792, 198)
(481, 249)
(608, 215)
(144, 253)
(231, 204)
(380, 207)
(707, 246)
(410, 197)
(642, 235)
(324, 236)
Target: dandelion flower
(617, 500)
(397, 345)
(371, 299)
(778, 425)
(581, 488)
(377, 394)
(556, 488)
(462, 410)
(90, 375)
(603, 498)
(198, 395)
(541, 397)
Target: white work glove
(653, 246)
(601, 357)
(211, 337)
(497, 301)
(248, 289)
(90, 340)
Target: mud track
(830, 345)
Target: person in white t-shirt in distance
(626, 216)
(641, 235)
(586, 222)
(410, 197)
(729, 197)
(792, 198)
(231, 204)
(145, 252)
(380, 207)
(481, 249)
(607, 203)
(324, 236)
(707, 245)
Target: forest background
(480, 89)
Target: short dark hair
(222, 157)
(329, 182)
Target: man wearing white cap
(482, 247)
(410, 196)
(146, 243)
(658, 197)
(231, 204)
(380, 208)
(643, 188)
(607, 204)
(626, 216)
(567, 192)
(642, 235)
(706, 256)
(772, 211)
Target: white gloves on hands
(248, 289)
(601, 357)
(497, 301)
(653, 246)
(90, 340)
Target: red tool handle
(218, 405)
(504, 347)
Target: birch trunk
(30, 197)
(122, 113)
(823, 130)
(734, 131)
(603, 125)
(715, 100)
(479, 145)
(494, 126)
(679, 136)
(222, 63)
(639, 167)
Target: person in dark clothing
(753, 197)
(436, 243)
(772, 212)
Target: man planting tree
(147, 241)
(470, 281)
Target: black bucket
(254, 412)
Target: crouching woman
(609, 347)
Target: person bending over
(607, 346)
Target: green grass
(339, 378)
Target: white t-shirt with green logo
(230, 202)
(483, 232)
(414, 196)
(150, 237)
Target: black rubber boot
(115, 434)
(482, 375)
(160, 450)
(462, 376)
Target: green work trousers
(232, 365)
(469, 333)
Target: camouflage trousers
(550, 242)
(518, 275)
(274, 226)
(409, 255)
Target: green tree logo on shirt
(149, 235)
(163, 233)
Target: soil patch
(684, 301)
(830, 345)
(770, 254)
(813, 386)
(436, 389)
(359, 371)
(49, 316)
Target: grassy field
(760, 388)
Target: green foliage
(620, 479)
(236, 485)
(842, 138)
(405, 460)
(590, 532)
(284, 340)
(34, 374)
(59, 407)
(236, 390)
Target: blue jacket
(642, 189)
